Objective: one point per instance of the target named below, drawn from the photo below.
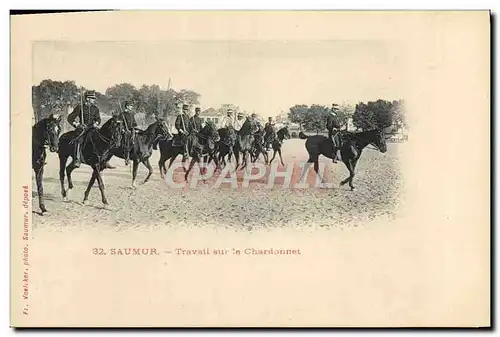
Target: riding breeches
(334, 136)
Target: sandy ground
(155, 205)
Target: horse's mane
(109, 121)
(211, 125)
(42, 122)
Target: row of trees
(365, 116)
(57, 96)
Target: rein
(370, 143)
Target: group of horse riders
(186, 125)
(87, 116)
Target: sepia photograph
(228, 130)
(250, 168)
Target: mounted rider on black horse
(258, 131)
(227, 123)
(130, 126)
(334, 124)
(182, 124)
(269, 134)
(84, 119)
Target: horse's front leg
(351, 166)
(62, 174)
(39, 186)
(237, 158)
(274, 156)
(216, 161)
(135, 165)
(246, 155)
(101, 186)
(191, 164)
(69, 171)
(174, 155)
(281, 158)
(161, 166)
(89, 186)
(184, 159)
(266, 157)
(150, 169)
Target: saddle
(178, 140)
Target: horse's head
(285, 133)
(162, 128)
(210, 131)
(52, 131)
(247, 127)
(114, 129)
(380, 142)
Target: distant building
(211, 115)
(350, 125)
(294, 128)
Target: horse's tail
(302, 135)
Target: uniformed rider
(90, 118)
(195, 121)
(333, 125)
(130, 128)
(270, 133)
(182, 126)
(238, 123)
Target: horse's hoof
(43, 209)
(65, 199)
(352, 188)
(84, 202)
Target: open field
(155, 205)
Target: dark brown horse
(281, 135)
(96, 151)
(142, 149)
(352, 147)
(244, 143)
(199, 144)
(44, 133)
(225, 146)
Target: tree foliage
(53, 97)
(374, 115)
(56, 96)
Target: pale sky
(261, 76)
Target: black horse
(96, 151)
(225, 146)
(281, 135)
(244, 142)
(199, 144)
(142, 149)
(258, 148)
(352, 146)
(44, 133)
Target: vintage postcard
(250, 169)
